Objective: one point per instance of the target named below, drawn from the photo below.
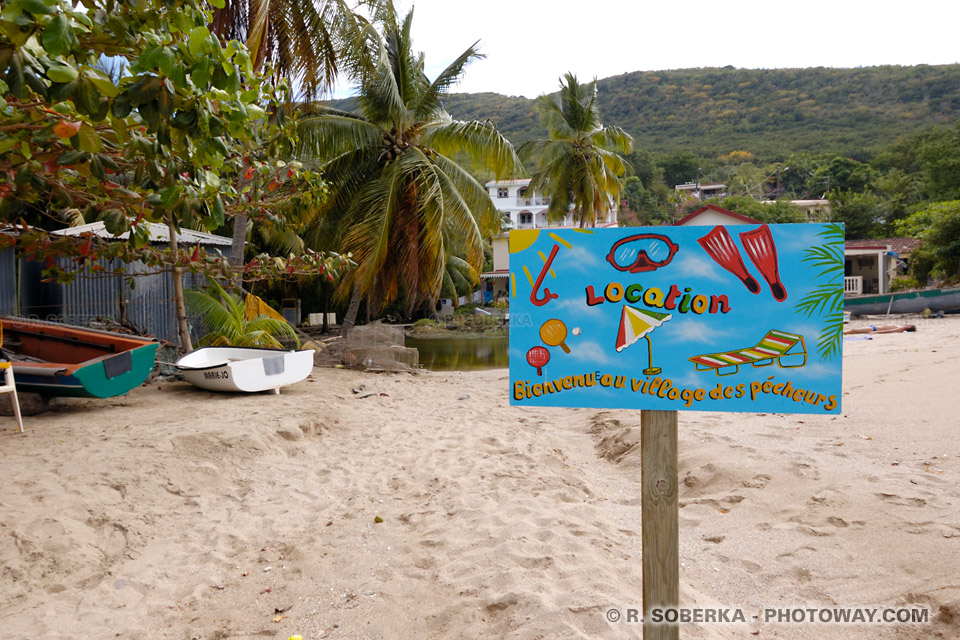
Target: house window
(526, 217)
(502, 192)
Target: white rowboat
(245, 369)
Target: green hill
(854, 112)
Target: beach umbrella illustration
(553, 333)
(538, 357)
(638, 323)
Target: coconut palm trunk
(350, 319)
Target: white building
(701, 190)
(528, 210)
(815, 210)
(522, 209)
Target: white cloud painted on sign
(689, 330)
(577, 305)
(691, 264)
(588, 351)
(578, 260)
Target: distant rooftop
(505, 183)
(903, 246)
(690, 217)
(158, 233)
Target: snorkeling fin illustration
(719, 245)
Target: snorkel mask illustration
(642, 252)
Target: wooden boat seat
(13, 356)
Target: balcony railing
(532, 202)
(853, 285)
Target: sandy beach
(359, 505)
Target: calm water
(461, 354)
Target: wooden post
(660, 515)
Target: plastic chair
(9, 384)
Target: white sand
(177, 513)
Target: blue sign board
(727, 318)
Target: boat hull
(63, 360)
(245, 370)
(92, 380)
(906, 302)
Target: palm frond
(325, 136)
(473, 194)
(224, 315)
(828, 258)
(831, 337)
(464, 268)
(429, 102)
(307, 43)
(614, 139)
(480, 141)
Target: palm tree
(308, 43)
(399, 201)
(458, 277)
(225, 315)
(578, 165)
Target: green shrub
(904, 283)
(425, 322)
(938, 226)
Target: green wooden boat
(904, 302)
(56, 359)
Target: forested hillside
(771, 113)
(882, 144)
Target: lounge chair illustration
(771, 348)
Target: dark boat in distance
(904, 302)
(56, 359)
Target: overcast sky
(529, 44)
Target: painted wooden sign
(727, 318)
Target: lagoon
(461, 354)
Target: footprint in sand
(804, 470)
(757, 482)
(893, 498)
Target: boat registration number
(216, 375)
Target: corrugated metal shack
(8, 282)
(22, 293)
(147, 305)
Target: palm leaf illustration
(826, 300)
